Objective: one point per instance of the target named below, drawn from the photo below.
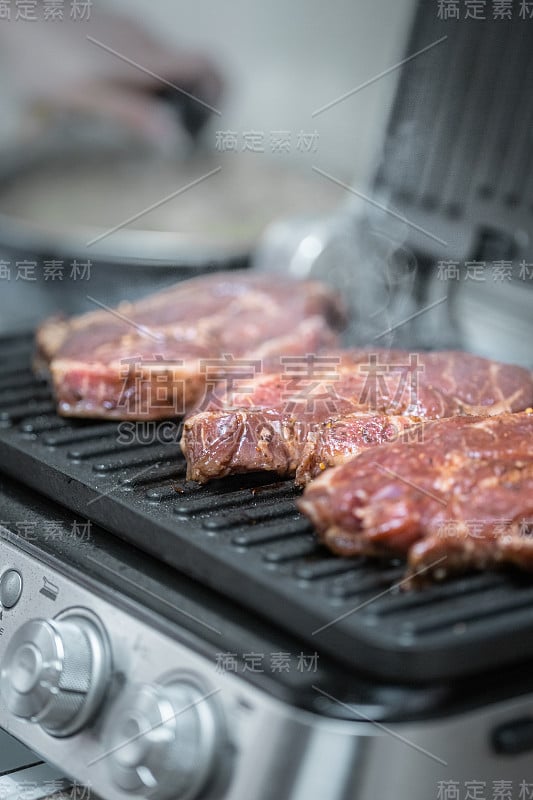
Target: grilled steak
(218, 444)
(153, 359)
(460, 498)
(321, 411)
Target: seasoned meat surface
(322, 410)
(459, 496)
(218, 444)
(434, 385)
(152, 359)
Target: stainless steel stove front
(130, 711)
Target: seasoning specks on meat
(460, 498)
(371, 398)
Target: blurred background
(363, 143)
(278, 63)
(94, 133)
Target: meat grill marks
(293, 427)
(147, 360)
(460, 498)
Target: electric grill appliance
(148, 663)
(164, 640)
(443, 239)
(457, 166)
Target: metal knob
(163, 740)
(55, 673)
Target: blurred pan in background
(116, 222)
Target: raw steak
(155, 358)
(323, 410)
(460, 498)
(218, 444)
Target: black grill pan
(245, 538)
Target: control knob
(55, 672)
(163, 740)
